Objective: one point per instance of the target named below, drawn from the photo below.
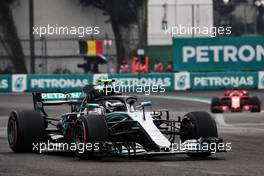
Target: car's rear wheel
(216, 102)
(91, 131)
(255, 102)
(197, 125)
(25, 128)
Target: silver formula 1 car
(114, 124)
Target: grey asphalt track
(244, 130)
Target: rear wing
(42, 99)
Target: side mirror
(146, 103)
(92, 105)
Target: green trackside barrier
(218, 54)
(223, 80)
(57, 82)
(164, 80)
(169, 81)
(5, 83)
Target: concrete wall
(61, 13)
(179, 12)
(71, 13)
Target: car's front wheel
(197, 125)
(214, 103)
(90, 132)
(255, 102)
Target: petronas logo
(181, 83)
(19, 83)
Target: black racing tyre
(216, 102)
(244, 102)
(196, 125)
(226, 102)
(256, 102)
(25, 128)
(92, 131)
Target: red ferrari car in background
(235, 100)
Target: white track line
(3, 131)
(3, 117)
(219, 118)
